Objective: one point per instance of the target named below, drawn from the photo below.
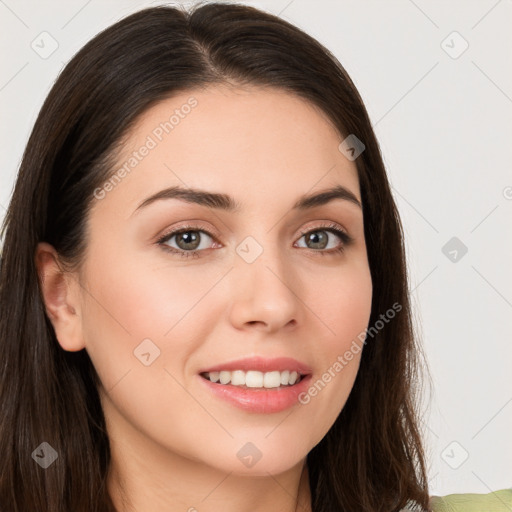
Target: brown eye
(188, 241)
(318, 239)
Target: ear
(61, 294)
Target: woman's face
(261, 281)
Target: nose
(263, 296)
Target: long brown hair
(372, 458)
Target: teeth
(225, 377)
(255, 379)
(237, 378)
(272, 379)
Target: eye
(324, 237)
(188, 241)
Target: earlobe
(60, 291)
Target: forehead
(247, 140)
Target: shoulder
(497, 501)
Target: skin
(174, 444)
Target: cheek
(342, 301)
(344, 308)
(145, 298)
(140, 305)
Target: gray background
(442, 117)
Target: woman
(203, 283)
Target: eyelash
(333, 228)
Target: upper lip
(261, 364)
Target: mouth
(258, 385)
(253, 379)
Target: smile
(254, 378)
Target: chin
(259, 458)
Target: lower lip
(260, 400)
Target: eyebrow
(227, 203)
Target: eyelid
(324, 225)
(188, 226)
